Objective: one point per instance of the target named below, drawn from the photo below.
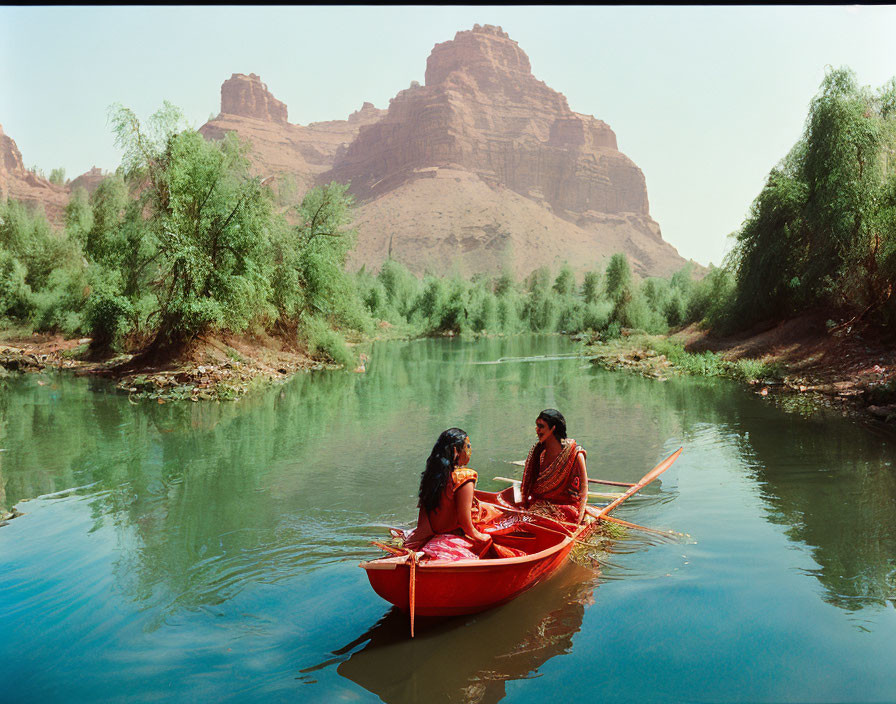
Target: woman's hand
(478, 536)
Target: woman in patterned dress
(555, 480)
(449, 512)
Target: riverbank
(220, 368)
(803, 359)
(213, 368)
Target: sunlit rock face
(280, 148)
(483, 126)
(18, 183)
(89, 180)
(483, 110)
(247, 96)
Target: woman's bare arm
(463, 501)
(583, 482)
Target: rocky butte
(21, 184)
(278, 147)
(482, 168)
(486, 166)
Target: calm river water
(194, 552)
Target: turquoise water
(194, 552)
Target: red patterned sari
(556, 490)
(438, 532)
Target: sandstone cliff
(281, 148)
(19, 183)
(89, 180)
(483, 167)
(485, 126)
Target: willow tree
(210, 222)
(823, 228)
(309, 277)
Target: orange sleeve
(461, 476)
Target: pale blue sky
(704, 99)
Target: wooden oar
(591, 494)
(607, 481)
(592, 511)
(521, 463)
(644, 481)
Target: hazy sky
(705, 100)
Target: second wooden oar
(521, 463)
(644, 481)
(607, 481)
(591, 494)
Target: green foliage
(565, 282)
(59, 304)
(57, 176)
(183, 240)
(399, 285)
(309, 275)
(618, 277)
(107, 316)
(325, 343)
(548, 303)
(16, 301)
(208, 233)
(823, 229)
(505, 283)
(712, 363)
(78, 217)
(591, 287)
(27, 235)
(713, 299)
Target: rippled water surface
(193, 552)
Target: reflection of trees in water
(467, 659)
(210, 497)
(832, 483)
(829, 480)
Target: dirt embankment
(855, 365)
(219, 368)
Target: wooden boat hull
(452, 588)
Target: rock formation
(21, 184)
(482, 168)
(89, 180)
(483, 119)
(247, 96)
(278, 147)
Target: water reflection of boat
(470, 664)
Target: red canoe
(450, 588)
(455, 587)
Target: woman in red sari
(555, 481)
(449, 512)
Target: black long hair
(439, 465)
(555, 420)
